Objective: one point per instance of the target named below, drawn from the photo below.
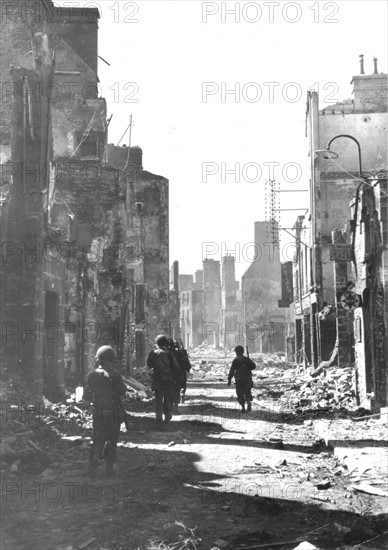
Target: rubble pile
(142, 375)
(334, 388)
(209, 370)
(30, 427)
(213, 364)
(29, 430)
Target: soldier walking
(241, 370)
(179, 389)
(104, 388)
(165, 372)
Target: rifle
(247, 352)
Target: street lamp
(328, 154)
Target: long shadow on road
(213, 410)
(162, 493)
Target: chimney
(370, 91)
(362, 64)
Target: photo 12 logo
(270, 92)
(69, 91)
(51, 252)
(53, 492)
(35, 11)
(252, 252)
(269, 12)
(251, 172)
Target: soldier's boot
(243, 408)
(175, 409)
(249, 405)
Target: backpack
(243, 371)
(183, 360)
(160, 361)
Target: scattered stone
(321, 498)
(370, 490)
(15, 466)
(35, 446)
(220, 543)
(341, 528)
(85, 544)
(171, 444)
(323, 485)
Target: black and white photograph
(194, 275)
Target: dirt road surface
(215, 478)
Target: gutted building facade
(368, 279)
(84, 226)
(333, 267)
(263, 319)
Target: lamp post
(329, 154)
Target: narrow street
(214, 478)
(193, 191)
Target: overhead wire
(355, 177)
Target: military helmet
(161, 341)
(105, 354)
(239, 349)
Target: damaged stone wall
(261, 288)
(85, 257)
(147, 236)
(357, 131)
(26, 71)
(88, 213)
(340, 317)
(174, 302)
(211, 301)
(369, 274)
(231, 333)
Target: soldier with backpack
(165, 373)
(241, 370)
(183, 361)
(104, 388)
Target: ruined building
(369, 275)
(211, 301)
(174, 303)
(201, 305)
(340, 271)
(211, 306)
(263, 319)
(191, 317)
(231, 327)
(84, 227)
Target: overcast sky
(177, 60)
